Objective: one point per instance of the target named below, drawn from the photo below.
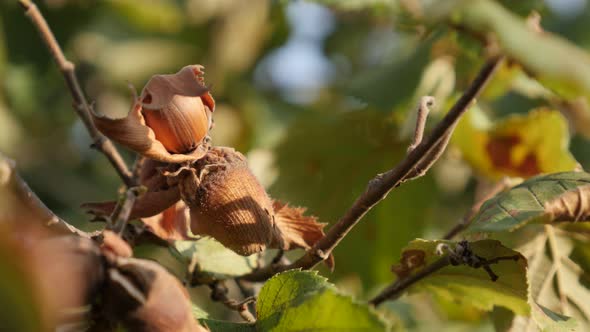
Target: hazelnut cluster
(195, 188)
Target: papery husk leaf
(173, 224)
(147, 205)
(186, 82)
(133, 133)
(113, 244)
(299, 231)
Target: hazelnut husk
(170, 121)
(228, 203)
(145, 297)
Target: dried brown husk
(145, 297)
(179, 109)
(172, 224)
(228, 203)
(159, 196)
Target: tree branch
(21, 203)
(396, 289)
(219, 294)
(461, 254)
(382, 184)
(81, 105)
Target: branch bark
(382, 184)
(81, 105)
(396, 289)
(22, 203)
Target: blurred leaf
(523, 7)
(302, 301)
(387, 85)
(199, 313)
(358, 4)
(150, 15)
(472, 286)
(127, 61)
(519, 145)
(213, 258)
(525, 203)
(326, 161)
(535, 51)
(223, 326)
(20, 308)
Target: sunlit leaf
(212, 258)
(559, 302)
(302, 301)
(224, 326)
(535, 51)
(525, 203)
(519, 145)
(469, 285)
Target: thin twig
(382, 184)
(219, 294)
(423, 109)
(396, 289)
(81, 105)
(461, 254)
(122, 211)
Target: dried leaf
(573, 205)
(542, 199)
(148, 205)
(298, 230)
(172, 224)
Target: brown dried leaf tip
(573, 205)
(170, 121)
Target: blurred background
(318, 97)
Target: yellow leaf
(520, 145)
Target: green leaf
(303, 301)
(286, 290)
(224, 326)
(469, 285)
(357, 4)
(157, 16)
(199, 313)
(393, 83)
(212, 258)
(519, 145)
(525, 203)
(537, 52)
(21, 307)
